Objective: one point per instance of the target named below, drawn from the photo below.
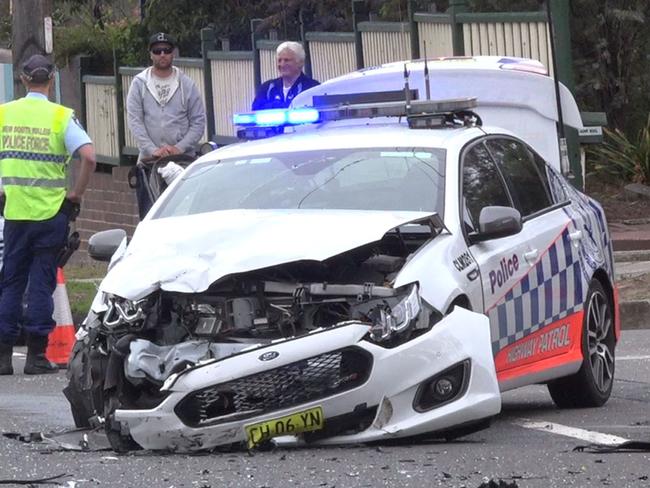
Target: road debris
(51, 480)
(628, 446)
(85, 440)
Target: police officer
(37, 140)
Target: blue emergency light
(420, 114)
(277, 117)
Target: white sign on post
(591, 131)
(47, 25)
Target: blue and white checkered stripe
(33, 156)
(550, 291)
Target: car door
(502, 261)
(546, 334)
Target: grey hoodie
(180, 122)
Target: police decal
(506, 270)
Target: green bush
(122, 41)
(625, 158)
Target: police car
(395, 255)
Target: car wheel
(120, 442)
(592, 385)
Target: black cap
(38, 69)
(162, 37)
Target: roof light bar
(277, 117)
(420, 114)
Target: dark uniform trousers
(30, 255)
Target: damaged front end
(188, 371)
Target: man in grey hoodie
(165, 112)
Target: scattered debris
(39, 481)
(628, 446)
(498, 484)
(86, 440)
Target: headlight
(398, 318)
(123, 312)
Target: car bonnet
(187, 254)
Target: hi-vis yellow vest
(33, 157)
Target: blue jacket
(271, 95)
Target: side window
(529, 191)
(556, 183)
(482, 185)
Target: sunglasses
(163, 50)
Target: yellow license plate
(305, 421)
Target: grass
(80, 294)
(92, 270)
(82, 281)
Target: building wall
(108, 203)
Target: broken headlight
(124, 313)
(389, 320)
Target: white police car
(382, 269)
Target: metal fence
(233, 87)
(229, 84)
(524, 35)
(332, 54)
(102, 117)
(434, 34)
(385, 42)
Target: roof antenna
(407, 90)
(426, 73)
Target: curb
(631, 256)
(635, 314)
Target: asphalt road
(529, 445)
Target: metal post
(564, 72)
(121, 134)
(257, 69)
(305, 44)
(359, 14)
(84, 68)
(415, 35)
(457, 41)
(208, 44)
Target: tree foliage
(611, 64)
(106, 32)
(609, 37)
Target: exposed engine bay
(133, 347)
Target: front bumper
(390, 386)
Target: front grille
(293, 384)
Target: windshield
(355, 179)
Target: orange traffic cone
(62, 338)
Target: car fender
(444, 269)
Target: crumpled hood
(188, 254)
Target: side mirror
(496, 222)
(102, 245)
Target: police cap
(38, 69)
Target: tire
(121, 443)
(592, 385)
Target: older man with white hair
(279, 92)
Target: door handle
(531, 256)
(575, 236)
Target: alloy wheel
(599, 328)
